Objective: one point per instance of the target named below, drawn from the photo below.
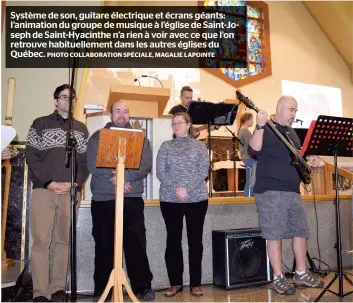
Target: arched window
(258, 56)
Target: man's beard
(121, 123)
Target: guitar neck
(291, 148)
(204, 127)
(283, 139)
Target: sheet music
(127, 129)
(7, 134)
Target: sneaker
(147, 295)
(283, 286)
(307, 280)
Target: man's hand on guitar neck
(257, 138)
(261, 118)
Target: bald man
(280, 208)
(103, 214)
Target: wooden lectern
(144, 102)
(120, 148)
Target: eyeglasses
(66, 98)
(177, 123)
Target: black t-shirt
(274, 171)
(177, 109)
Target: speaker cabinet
(240, 258)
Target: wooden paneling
(240, 200)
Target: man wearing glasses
(50, 202)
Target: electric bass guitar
(298, 161)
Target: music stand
(212, 114)
(120, 148)
(332, 136)
(234, 140)
(7, 134)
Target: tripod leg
(127, 286)
(109, 285)
(326, 288)
(349, 280)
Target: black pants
(134, 243)
(173, 214)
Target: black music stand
(332, 136)
(212, 114)
(235, 139)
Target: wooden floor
(256, 294)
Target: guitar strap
(287, 136)
(289, 139)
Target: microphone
(298, 120)
(138, 81)
(147, 76)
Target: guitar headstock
(246, 101)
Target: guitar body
(304, 173)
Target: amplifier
(240, 258)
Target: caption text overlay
(185, 37)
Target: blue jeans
(250, 165)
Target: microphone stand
(137, 81)
(147, 76)
(70, 161)
(234, 139)
(300, 121)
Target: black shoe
(173, 290)
(58, 296)
(196, 291)
(41, 299)
(147, 295)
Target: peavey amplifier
(240, 258)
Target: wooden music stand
(7, 134)
(5, 262)
(120, 148)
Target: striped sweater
(182, 162)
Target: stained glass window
(255, 37)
